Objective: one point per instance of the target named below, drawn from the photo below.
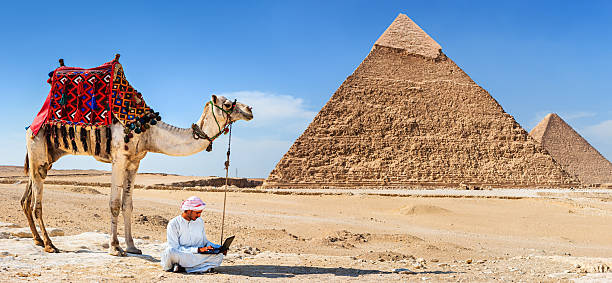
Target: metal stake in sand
(227, 162)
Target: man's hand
(205, 249)
(224, 250)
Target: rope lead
(227, 162)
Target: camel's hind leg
(26, 204)
(37, 186)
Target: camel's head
(236, 110)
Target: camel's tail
(26, 165)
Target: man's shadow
(282, 271)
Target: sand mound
(155, 220)
(422, 209)
(86, 190)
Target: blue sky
(286, 58)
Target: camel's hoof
(133, 250)
(51, 249)
(39, 242)
(116, 251)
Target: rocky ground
(531, 237)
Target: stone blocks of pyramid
(410, 117)
(572, 151)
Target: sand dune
(423, 209)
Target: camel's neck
(170, 140)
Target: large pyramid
(410, 117)
(572, 151)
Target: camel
(125, 158)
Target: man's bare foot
(178, 269)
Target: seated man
(187, 241)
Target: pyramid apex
(551, 115)
(548, 117)
(405, 34)
(539, 130)
(555, 117)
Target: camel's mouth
(243, 112)
(247, 113)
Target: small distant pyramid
(408, 116)
(572, 151)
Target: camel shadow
(142, 256)
(145, 257)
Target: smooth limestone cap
(404, 34)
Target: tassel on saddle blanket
(84, 99)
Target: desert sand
(342, 235)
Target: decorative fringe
(55, 136)
(64, 136)
(71, 134)
(97, 151)
(108, 140)
(84, 135)
(48, 136)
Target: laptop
(224, 247)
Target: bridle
(199, 134)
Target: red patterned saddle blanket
(92, 98)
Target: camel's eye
(227, 104)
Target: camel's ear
(214, 99)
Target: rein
(199, 134)
(227, 163)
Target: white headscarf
(193, 203)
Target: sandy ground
(442, 235)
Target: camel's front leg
(37, 185)
(127, 209)
(117, 182)
(26, 204)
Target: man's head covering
(193, 203)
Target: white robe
(184, 238)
